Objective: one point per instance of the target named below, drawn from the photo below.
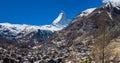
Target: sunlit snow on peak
(115, 3)
(87, 12)
(61, 20)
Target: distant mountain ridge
(23, 31)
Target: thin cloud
(105, 1)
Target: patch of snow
(99, 12)
(87, 12)
(37, 61)
(109, 14)
(51, 28)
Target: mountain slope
(90, 37)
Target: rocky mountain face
(90, 38)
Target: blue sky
(40, 12)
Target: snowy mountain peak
(17, 28)
(20, 31)
(59, 23)
(114, 3)
(61, 20)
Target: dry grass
(116, 51)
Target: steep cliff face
(90, 35)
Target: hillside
(93, 37)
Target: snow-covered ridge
(59, 23)
(11, 31)
(87, 12)
(114, 3)
(16, 28)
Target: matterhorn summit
(61, 20)
(27, 32)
